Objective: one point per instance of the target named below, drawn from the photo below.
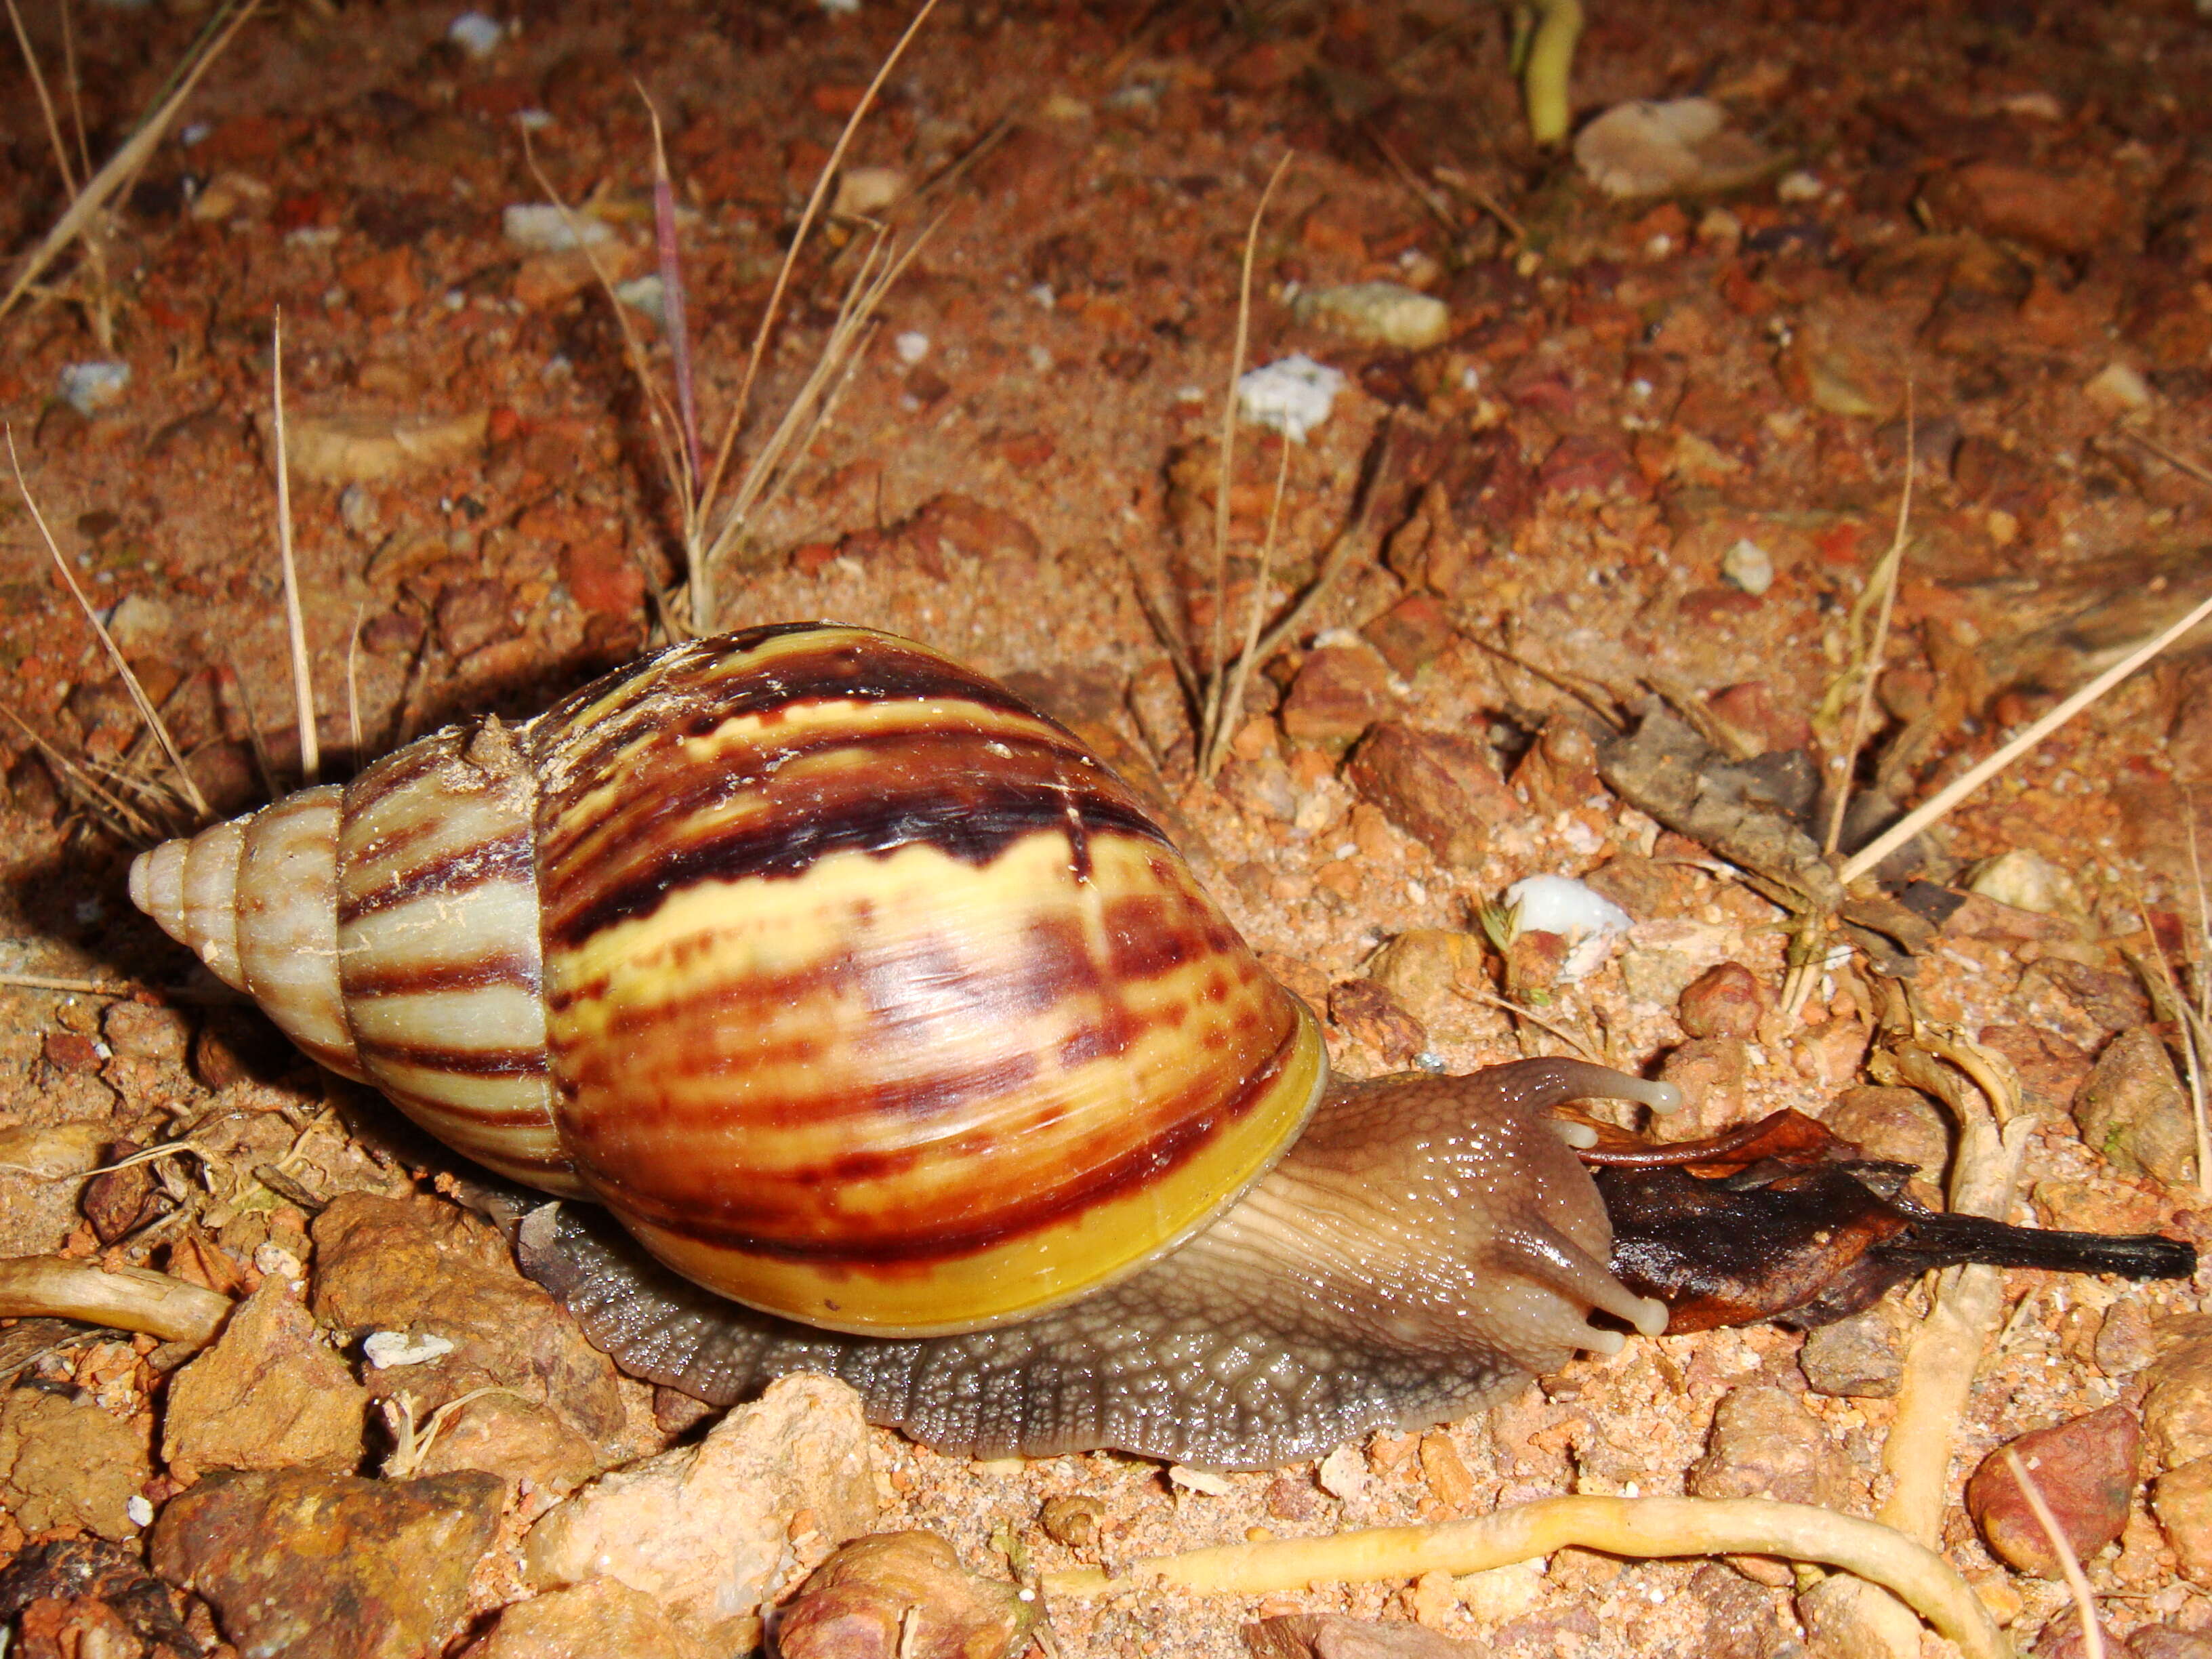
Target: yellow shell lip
(1010, 1283)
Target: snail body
(860, 995)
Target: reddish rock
(66, 1464)
(1411, 635)
(2085, 1471)
(1900, 1126)
(1725, 1000)
(1709, 1072)
(2133, 1111)
(1590, 468)
(1766, 1444)
(267, 1396)
(2112, 1001)
(903, 1595)
(602, 577)
(1708, 607)
(2050, 1069)
(2182, 1500)
(2057, 212)
(1751, 718)
(2177, 1410)
(330, 1566)
(597, 1621)
(1342, 689)
(1367, 1013)
(1438, 788)
(1560, 770)
(382, 283)
(471, 614)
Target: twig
(147, 711)
(1491, 999)
(127, 1298)
(671, 292)
(352, 685)
(1240, 672)
(83, 987)
(2192, 1029)
(1639, 1526)
(2172, 458)
(303, 685)
(1869, 857)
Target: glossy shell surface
(851, 985)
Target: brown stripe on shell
(917, 793)
(499, 968)
(461, 1062)
(1191, 1123)
(507, 859)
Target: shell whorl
(851, 985)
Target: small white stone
(1585, 918)
(1292, 395)
(1204, 1481)
(276, 1262)
(548, 227)
(646, 294)
(476, 34)
(90, 387)
(839, 8)
(386, 1349)
(912, 346)
(1799, 185)
(1343, 1473)
(1380, 314)
(534, 120)
(139, 1509)
(2118, 390)
(1748, 566)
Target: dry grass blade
(1226, 713)
(2166, 993)
(2077, 1582)
(1209, 715)
(1881, 581)
(90, 988)
(124, 165)
(701, 579)
(147, 711)
(1869, 857)
(303, 684)
(673, 324)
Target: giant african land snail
(859, 992)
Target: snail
(894, 1027)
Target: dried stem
(1882, 580)
(2077, 1582)
(303, 684)
(1869, 857)
(1209, 715)
(127, 1298)
(1215, 741)
(1638, 1527)
(672, 322)
(124, 165)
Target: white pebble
(645, 293)
(911, 346)
(276, 1262)
(1580, 915)
(1292, 395)
(386, 1349)
(1748, 566)
(1204, 1481)
(1343, 1473)
(547, 227)
(139, 1509)
(87, 387)
(1799, 185)
(475, 33)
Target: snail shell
(851, 986)
(860, 995)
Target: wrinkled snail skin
(858, 993)
(1427, 1246)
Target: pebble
(2026, 880)
(1339, 1636)
(1766, 1444)
(2133, 1111)
(1292, 395)
(64, 1464)
(2182, 1500)
(1438, 786)
(1646, 148)
(1559, 771)
(2112, 1001)
(703, 1528)
(2075, 213)
(1343, 687)
(1590, 923)
(904, 1595)
(90, 387)
(1861, 1358)
(1710, 1073)
(267, 1395)
(142, 1031)
(2177, 1410)
(330, 1566)
(1901, 1126)
(596, 1620)
(1377, 313)
(475, 33)
(2086, 1470)
(1748, 566)
(1726, 1000)
(1366, 1012)
(545, 227)
(1073, 1518)
(344, 449)
(2117, 389)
